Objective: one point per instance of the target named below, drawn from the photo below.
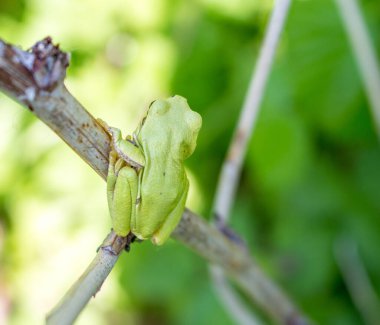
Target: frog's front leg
(122, 185)
(125, 148)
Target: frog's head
(171, 123)
(186, 125)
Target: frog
(147, 185)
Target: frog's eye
(194, 121)
(159, 107)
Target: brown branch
(77, 297)
(357, 280)
(35, 80)
(231, 169)
(364, 53)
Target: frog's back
(167, 137)
(160, 192)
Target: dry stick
(231, 169)
(364, 53)
(352, 269)
(68, 309)
(357, 280)
(231, 300)
(35, 80)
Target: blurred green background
(311, 175)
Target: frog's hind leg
(123, 200)
(114, 166)
(163, 233)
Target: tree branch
(231, 169)
(35, 80)
(357, 279)
(67, 310)
(364, 54)
(230, 173)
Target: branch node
(114, 244)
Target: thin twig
(231, 169)
(35, 80)
(68, 309)
(230, 174)
(364, 53)
(352, 269)
(231, 300)
(357, 280)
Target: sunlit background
(311, 176)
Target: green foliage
(311, 173)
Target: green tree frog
(147, 185)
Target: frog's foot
(112, 158)
(131, 238)
(103, 124)
(125, 148)
(115, 134)
(114, 164)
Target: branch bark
(74, 301)
(230, 172)
(357, 279)
(364, 54)
(34, 78)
